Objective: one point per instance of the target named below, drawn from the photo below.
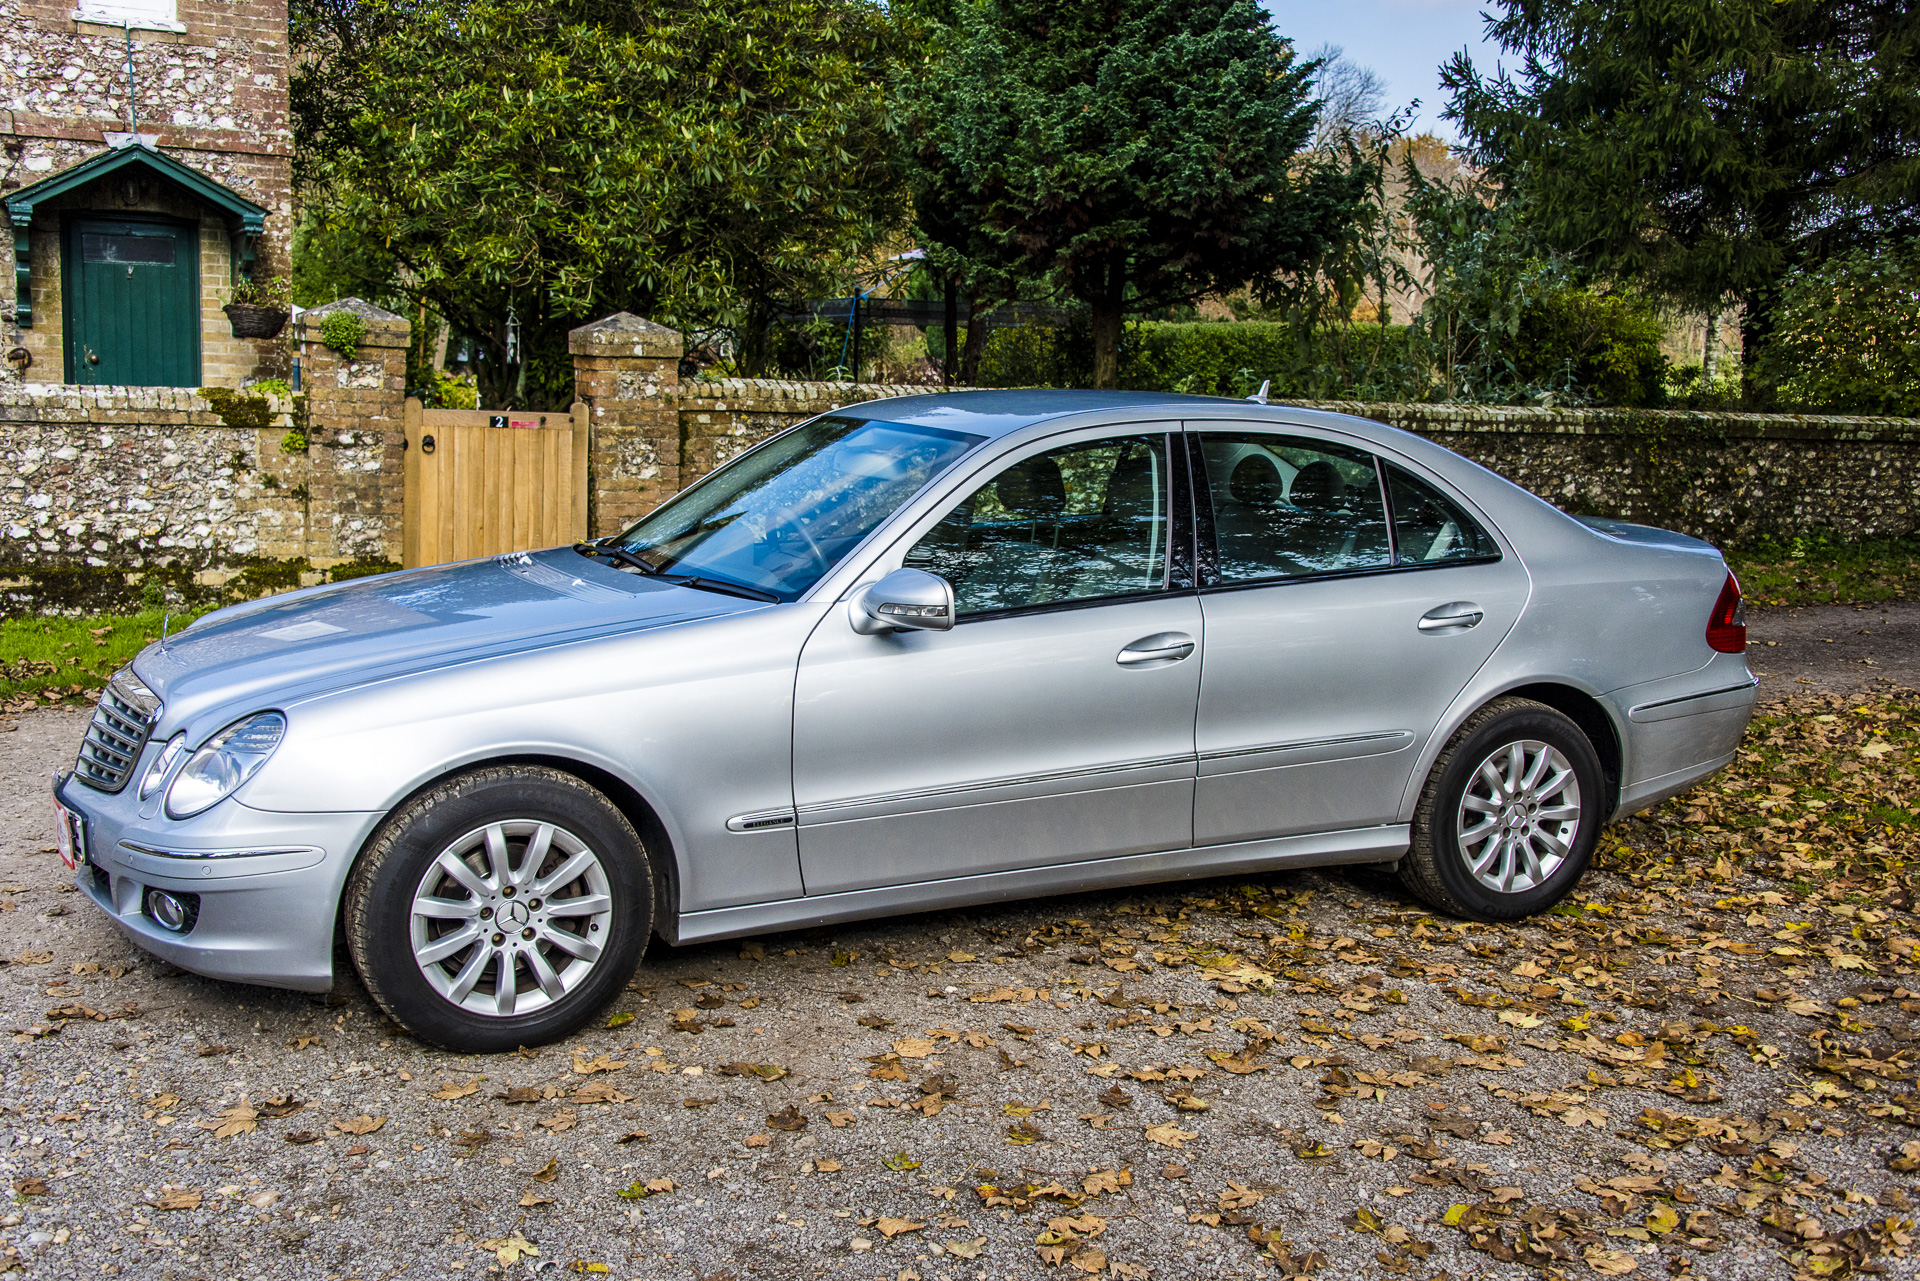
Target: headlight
(157, 772)
(228, 759)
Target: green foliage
(1848, 335)
(294, 442)
(1136, 153)
(1820, 567)
(361, 568)
(452, 391)
(274, 291)
(1212, 359)
(1507, 320)
(695, 163)
(55, 654)
(1704, 148)
(237, 408)
(1604, 347)
(343, 332)
(271, 387)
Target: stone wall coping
(722, 394)
(376, 318)
(71, 396)
(1579, 422)
(625, 334)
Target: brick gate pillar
(356, 435)
(627, 372)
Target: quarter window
(1429, 528)
(1080, 522)
(1286, 508)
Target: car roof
(1002, 412)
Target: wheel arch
(1587, 712)
(625, 797)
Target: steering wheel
(778, 538)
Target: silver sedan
(913, 654)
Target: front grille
(116, 734)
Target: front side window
(779, 517)
(1079, 522)
(1286, 508)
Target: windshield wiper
(722, 586)
(614, 552)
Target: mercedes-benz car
(912, 654)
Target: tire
(437, 972)
(1487, 851)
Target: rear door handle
(1161, 647)
(1454, 616)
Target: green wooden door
(131, 289)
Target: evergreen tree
(1708, 148)
(1134, 153)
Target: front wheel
(501, 908)
(1510, 815)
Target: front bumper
(268, 884)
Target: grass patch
(50, 659)
(1819, 569)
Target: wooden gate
(481, 482)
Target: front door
(1339, 631)
(1053, 724)
(131, 294)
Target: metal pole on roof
(127, 26)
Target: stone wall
(103, 487)
(210, 88)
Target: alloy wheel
(511, 917)
(1519, 817)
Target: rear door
(1337, 633)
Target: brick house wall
(212, 95)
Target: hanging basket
(252, 320)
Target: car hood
(283, 648)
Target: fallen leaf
(1169, 1135)
(966, 1249)
(452, 1090)
(175, 1199)
(598, 1063)
(360, 1124)
(891, 1228)
(510, 1250)
(788, 1119)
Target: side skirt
(1324, 849)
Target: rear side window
(1287, 508)
(1429, 528)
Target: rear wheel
(1510, 814)
(501, 908)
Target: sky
(1404, 40)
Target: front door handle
(1454, 616)
(1161, 647)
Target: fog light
(170, 911)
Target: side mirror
(905, 600)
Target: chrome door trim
(810, 813)
(1324, 849)
(1668, 708)
(1315, 748)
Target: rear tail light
(1727, 625)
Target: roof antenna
(1260, 397)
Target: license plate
(70, 835)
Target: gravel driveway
(1300, 1074)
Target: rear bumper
(1682, 730)
(267, 884)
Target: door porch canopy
(245, 220)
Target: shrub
(1211, 358)
(1847, 336)
(1602, 347)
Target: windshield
(781, 516)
